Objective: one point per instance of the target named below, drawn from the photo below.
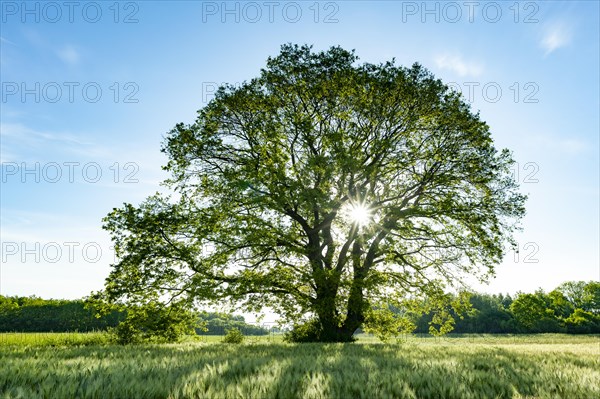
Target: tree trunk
(329, 319)
(356, 304)
(332, 332)
(355, 314)
(327, 283)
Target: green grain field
(85, 366)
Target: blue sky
(88, 93)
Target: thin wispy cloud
(4, 59)
(5, 40)
(556, 35)
(458, 65)
(69, 55)
(21, 142)
(7, 156)
(22, 132)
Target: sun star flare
(360, 214)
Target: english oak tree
(321, 188)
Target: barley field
(85, 366)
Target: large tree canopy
(322, 187)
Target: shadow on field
(397, 371)
(296, 371)
(446, 372)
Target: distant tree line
(33, 314)
(219, 323)
(573, 307)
